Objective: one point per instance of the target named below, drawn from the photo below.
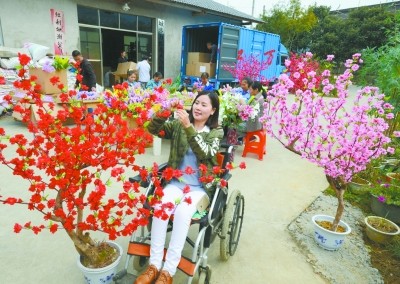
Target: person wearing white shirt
(143, 68)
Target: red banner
(57, 19)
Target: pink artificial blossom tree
(340, 134)
(250, 65)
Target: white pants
(183, 213)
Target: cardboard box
(205, 67)
(122, 70)
(195, 57)
(43, 79)
(190, 69)
(34, 117)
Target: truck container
(229, 39)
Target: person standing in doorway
(123, 58)
(85, 69)
(143, 68)
(214, 48)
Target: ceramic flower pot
(102, 275)
(358, 184)
(388, 211)
(380, 230)
(328, 239)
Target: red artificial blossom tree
(70, 168)
(250, 66)
(320, 121)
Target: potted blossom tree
(341, 134)
(70, 170)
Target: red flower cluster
(299, 69)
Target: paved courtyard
(276, 191)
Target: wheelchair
(224, 219)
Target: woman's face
(244, 85)
(132, 78)
(202, 108)
(253, 92)
(204, 80)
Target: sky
(245, 6)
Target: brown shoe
(164, 278)
(148, 276)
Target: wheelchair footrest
(143, 249)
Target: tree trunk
(339, 188)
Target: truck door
(228, 50)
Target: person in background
(214, 49)
(155, 82)
(257, 94)
(205, 85)
(195, 139)
(143, 68)
(244, 88)
(186, 85)
(132, 79)
(122, 58)
(86, 70)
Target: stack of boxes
(122, 70)
(199, 62)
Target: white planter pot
(102, 275)
(327, 239)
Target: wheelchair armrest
(226, 176)
(162, 167)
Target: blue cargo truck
(230, 39)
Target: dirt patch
(352, 262)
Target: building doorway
(104, 34)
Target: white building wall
(29, 21)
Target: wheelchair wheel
(140, 263)
(205, 275)
(232, 225)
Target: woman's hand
(175, 104)
(183, 117)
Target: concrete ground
(276, 191)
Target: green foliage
(60, 63)
(382, 68)
(290, 22)
(394, 247)
(343, 36)
(322, 31)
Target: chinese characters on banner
(57, 19)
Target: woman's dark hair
(204, 75)
(257, 85)
(248, 81)
(157, 74)
(212, 121)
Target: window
(90, 43)
(109, 19)
(128, 22)
(145, 24)
(88, 16)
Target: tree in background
(364, 27)
(290, 22)
(322, 31)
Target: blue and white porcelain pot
(328, 239)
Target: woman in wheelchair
(195, 139)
